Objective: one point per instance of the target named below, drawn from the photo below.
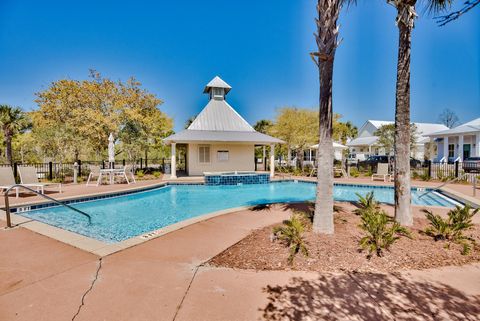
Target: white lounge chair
(125, 172)
(28, 176)
(94, 172)
(7, 180)
(382, 173)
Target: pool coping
(102, 248)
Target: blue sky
(259, 47)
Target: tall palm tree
(405, 20)
(12, 121)
(327, 42)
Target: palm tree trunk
(326, 37)
(403, 213)
(8, 148)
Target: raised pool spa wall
(240, 158)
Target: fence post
(103, 164)
(15, 170)
(50, 171)
(429, 168)
(163, 165)
(79, 162)
(456, 169)
(123, 162)
(141, 163)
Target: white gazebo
(219, 139)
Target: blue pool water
(119, 218)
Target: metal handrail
(7, 204)
(442, 185)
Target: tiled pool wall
(237, 179)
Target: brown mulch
(341, 252)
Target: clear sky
(259, 47)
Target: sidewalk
(164, 279)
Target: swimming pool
(119, 218)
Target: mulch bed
(340, 252)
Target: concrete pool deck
(164, 279)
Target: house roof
(217, 82)
(254, 137)
(422, 128)
(219, 122)
(219, 115)
(469, 127)
(362, 141)
(335, 146)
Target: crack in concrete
(186, 291)
(89, 289)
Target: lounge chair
(95, 172)
(28, 176)
(382, 172)
(7, 180)
(125, 172)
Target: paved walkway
(165, 279)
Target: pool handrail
(7, 204)
(442, 185)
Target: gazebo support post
(272, 160)
(174, 161)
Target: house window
(451, 150)
(204, 154)
(222, 155)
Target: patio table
(111, 173)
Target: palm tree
(12, 121)
(327, 42)
(406, 15)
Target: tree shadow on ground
(368, 296)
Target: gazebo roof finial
(217, 82)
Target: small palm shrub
(291, 234)
(354, 172)
(381, 231)
(367, 203)
(140, 173)
(156, 174)
(452, 228)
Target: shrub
(367, 203)
(156, 174)
(291, 234)
(451, 229)
(140, 173)
(381, 230)
(354, 172)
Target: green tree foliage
(386, 136)
(76, 117)
(263, 126)
(12, 121)
(189, 121)
(452, 229)
(343, 131)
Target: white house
(219, 139)
(366, 143)
(459, 142)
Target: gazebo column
(272, 160)
(174, 161)
(264, 159)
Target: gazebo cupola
(217, 88)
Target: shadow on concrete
(358, 296)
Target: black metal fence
(63, 172)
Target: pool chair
(7, 180)
(382, 173)
(28, 176)
(125, 172)
(94, 172)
